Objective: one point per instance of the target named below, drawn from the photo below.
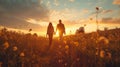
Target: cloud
(18, 23)
(103, 11)
(15, 12)
(111, 20)
(70, 17)
(56, 3)
(99, 11)
(71, 0)
(117, 2)
(48, 4)
(67, 14)
(85, 11)
(107, 11)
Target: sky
(36, 14)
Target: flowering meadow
(96, 49)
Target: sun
(56, 33)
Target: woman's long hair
(50, 29)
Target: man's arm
(56, 27)
(64, 28)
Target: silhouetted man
(61, 29)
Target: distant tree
(97, 9)
(4, 29)
(80, 30)
(30, 30)
(35, 34)
(105, 29)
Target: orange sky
(36, 14)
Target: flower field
(96, 49)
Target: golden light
(56, 34)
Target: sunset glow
(59, 33)
(73, 13)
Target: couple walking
(50, 31)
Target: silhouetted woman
(50, 31)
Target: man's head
(60, 21)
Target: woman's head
(50, 24)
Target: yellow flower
(6, 45)
(97, 51)
(103, 40)
(65, 41)
(15, 48)
(76, 44)
(66, 47)
(65, 64)
(102, 53)
(22, 54)
(60, 60)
